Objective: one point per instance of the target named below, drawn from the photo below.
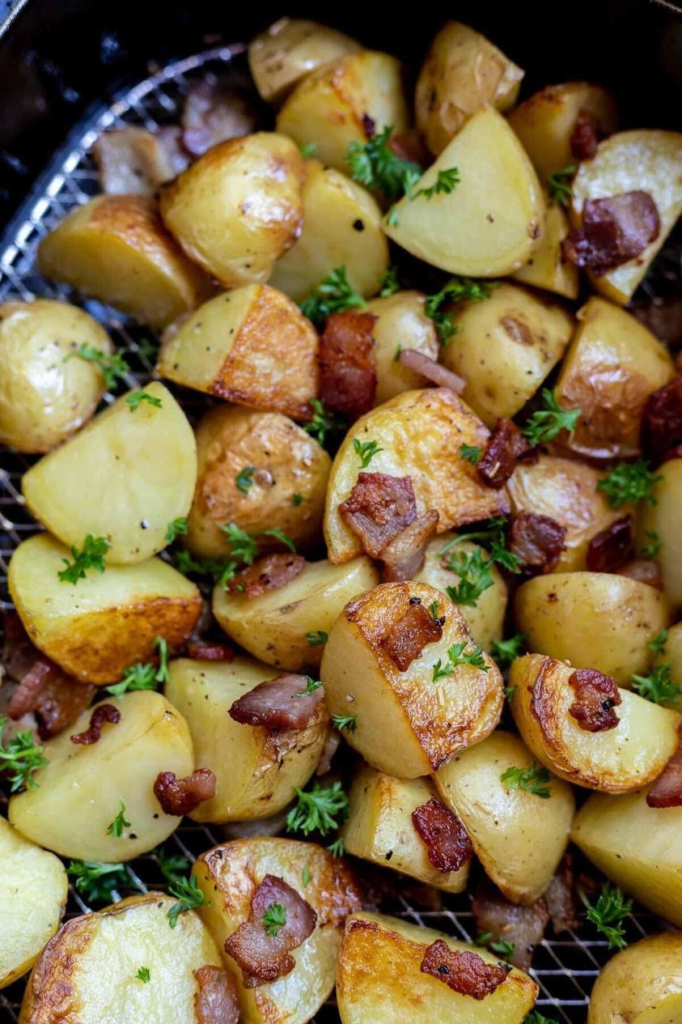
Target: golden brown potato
(125, 477)
(46, 392)
(519, 837)
(116, 249)
(617, 760)
(492, 221)
(405, 723)
(401, 324)
(82, 788)
(505, 347)
(289, 50)
(546, 268)
(641, 984)
(671, 654)
(663, 519)
(612, 366)
(96, 628)
(462, 73)
(226, 349)
(238, 208)
(420, 434)
(592, 620)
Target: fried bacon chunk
(614, 231)
(662, 422)
(215, 111)
(403, 557)
(537, 540)
(206, 650)
(134, 161)
(585, 136)
(560, 897)
(446, 840)
(644, 570)
(506, 446)
(522, 926)
(611, 548)
(348, 380)
(182, 796)
(215, 1001)
(268, 573)
(275, 704)
(409, 635)
(463, 972)
(378, 508)
(667, 789)
(101, 714)
(596, 697)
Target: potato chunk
(641, 984)
(401, 324)
(546, 268)
(663, 519)
(98, 627)
(125, 478)
(289, 50)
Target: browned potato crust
(290, 49)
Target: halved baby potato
(546, 268)
(663, 520)
(401, 324)
(96, 628)
(641, 984)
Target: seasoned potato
(644, 160)
(227, 349)
(256, 770)
(641, 984)
(592, 620)
(274, 626)
(379, 828)
(380, 981)
(420, 434)
(664, 519)
(505, 347)
(546, 268)
(401, 324)
(405, 725)
(33, 891)
(45, 393)
(342, 228)
(82, 788)
(90, 970)
(289, 50)
(339, 103)
(125, 477)
(229, 876)
(106, 622)
(617, 760)
(518, 837)
(238, 208)
(671, 653)
(116, 249)
(492, 221)
(612, 366)
(462, 73)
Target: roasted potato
(91, 969)
(518, 836)
(420, 434)
(379, 979)
(238, 208)
(612, 366)
(289, 50)
(256, 770)
(401, 324)
(592, 620)
(226, 349)
(617, 760)
(229, 874)
(82, 788)
(671, 654)
(46, 391)
(546, 268)
(663, 518)
(125, 477)
(463, 72)
(96, 628)
(404, 724)
(641, 984)
(505, 347)
(116, 249)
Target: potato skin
(289, 50)
(643, 978)
(664, 519)
(401, 323)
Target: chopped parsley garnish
(136, 398)
(376, 166)
(172, 866)
(244, 479)
(559, 185)
(365, 451)
(535, 1017)
(458, 655)
(347, 722)
(504, 949)
(457, 289)
(506, 651)
(147, 348)
(188, 896)
(608, 914)
(390, 284)
(433, 611)
(113, 367)
(274, 919)
(221, 570)
(20, 757)
(308, 150)
(322, 423)
(144, 675)
(629, 482)
(306, 877)
(90, 557)
(119, 823)
(492, 534)
(96, 881)
(659, 641)
(311, 686)
(143, 975)
(297, 499)
(509, 691)
(475, 573)
(471, 453)
(281, 536)
(534, 778)
(658, 687)
(546, 424)
(318, 638)
(337, 848)
(651, 549)
(446, 182)
(334, 294)
(176, 528)
(321, 809)
(244, 545)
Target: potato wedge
(289, 50)
(405, 725)
(238, 208)
(379, 979)
(663, 519)
(256, 770)
(518, 836)
(618, 760)
(227, 349)
(463, 72)
(33, 891)
(592, 620)
(420, 434)
(641, 984)
(546, 268)
(46, 393)
(401, 324)
(116, 249)
(229, 875)
(97, 628)
(671, 654)
(90, 969)
(82, 789)
(525, 337)
(125, 477)
(275, 627)
(491, 223)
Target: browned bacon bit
(662, 422)
(507, 922)
(204, 650)
(597, 696)
(585, 136)
(561, 900)
(506, 445)
(407, 638)
(446, 840)
(182, 796)
(328, 751)
(611, 548)
(663, 317)
(409, 146)
(348, 379)
(463, 972)
(378, 508)
(262, 957)
(643, 570)
(215, 111)
(215, 1001)
(132, 160)
(101, 714)
(404, 556)
(614, 231)
(667, 789)
(433, 371)
(269, 573)
(537, 540)
(276, 704)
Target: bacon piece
(403, 557)
(645, 571)
(204, 650)
(446, 840)
(268, 573)
(409, 146)
(432, 370)
(215, 111)
(585, 136)
(348, 379)
(560, 897)
(215, 1001)
(327, 756)
(378, 508)
(667, 789)
(662, 422)
(182, 796)
(507, 922)
(18, 654)
(663, 317)
(264, 958)
(597, 695)
(611, 548)
(614, 231)
(466, 973)
(101, 714)
(506, 445)
(537, 540)
(133, 161)
(407, 638)
(274, 704)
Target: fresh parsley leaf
(503, 556)
(347, 722)
(136, 398)
(475, 573)
(148, 348)
(446, 182)
(305, 877)
(651, 549)
(659, 641)
(334, 294)
(365, 451)
(658, 687)
(311, 686)
(535, 1017)
(243, 545)
(506, 651)
(376, 166)
(162, 671)
(308, 150)
(143, 975)
(144, 676)
(91, 557)
(629, 482)
(471, 453)
(433, 611)
(297, 499)
(458, 655)
(509, 691)
(322, 422)
(546, 424)
(559, 185)
(188, 896)
(504, 949)
(221, 571)
(172, 866)
(457, 289)
(321, 809)
(113, 367)
(337, 848)
(244, 479)
(20, 758)
(534, 778)
(96, 881)
(390, 284)
(119, 823)
(176, 528)
(318, 638)
(281, 536)
(274, 919)
(608, 914)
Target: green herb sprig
(457, 289)
(20, 757)
(534, 778)
(334, 294)
(320, 809)
(91, 556)
(609, 913)
(136, 398)
(188, 896)
(559, 185)
(459, 655)
(365, 451)
(547, 423)
(629, 482)
(114, 367)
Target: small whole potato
(401, 324)
(662, 520)
(641, 984)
